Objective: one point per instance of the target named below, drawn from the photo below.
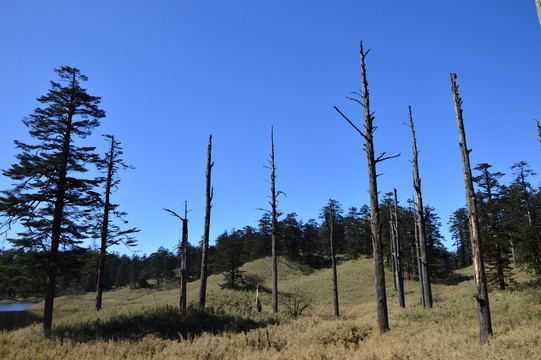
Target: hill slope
(143, 323)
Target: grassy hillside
(144, 323)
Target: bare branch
(356, 100)
(381, 158)
(344, 116)
(173, 213)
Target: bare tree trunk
(513, 249)
(427, 287)
(419, 267)
(333, 259)
(273, 231)
(105, 227)
(204, 257)
(183, 259)
(481, 291)
(398, 254)
(375, 225)
(392, 242)
(258, 306)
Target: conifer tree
(490, 220)
(52, 196)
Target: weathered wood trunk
(381, 295)
(398, 256)
(392, 242)
(183, 259)
(419, 268)
(105, 227)
(333, 260)
(513, 248)
(481, 290)
(427, 287)
(204, 256)
(258, 306)
(273, 230)
(375, 224)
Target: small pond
(14, 316)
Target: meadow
(145, 323)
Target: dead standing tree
(392, 240)
(333, 259)
(110, 233)
(398, 255)
(204, 256)
(183, 255)
(274, 216)
(481, 290)
(418, 254)
(425, 271)
(375, 225)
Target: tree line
(305, 242)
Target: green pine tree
(52, 196)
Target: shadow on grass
(164, 322)
(455, 279)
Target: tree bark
(398, 255)
(183, 258)
(481, 290)
(105, 227)
(419, 267)
(205, 245)
(375, 224)
(58, 215)
(333, 259)
(392, 242)
(273, 230)
(513, 249)
(427, 287)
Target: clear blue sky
(172, 72)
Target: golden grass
(448, 331)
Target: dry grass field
(145, 323)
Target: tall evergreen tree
(230, 257)
(290, 236)
(52, 197)
(338, 226)
(528, 228)
(490, 221)
(460, 232)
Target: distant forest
(508, 217)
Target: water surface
(14, 316)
